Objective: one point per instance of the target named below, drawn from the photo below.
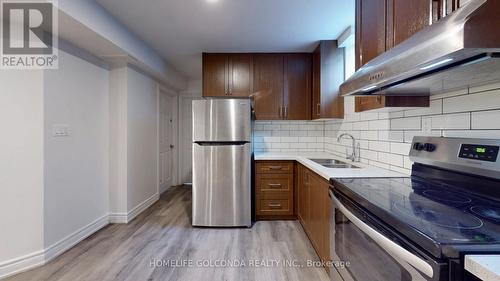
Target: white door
(186, 140)
(168, 127)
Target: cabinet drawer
(274, 207)
(274, 167)
(274, 183)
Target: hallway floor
(162, 235)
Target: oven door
(368, 252)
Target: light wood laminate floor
(164, 232)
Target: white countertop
(365, 171)
(484, 267)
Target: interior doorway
(168, 127)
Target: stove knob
(418, 146)
(429, 147)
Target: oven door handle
(385, 243)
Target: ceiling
(180, 30)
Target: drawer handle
(274, 206)
(275, 167)
(274, 185)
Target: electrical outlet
(60, 130)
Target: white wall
(133, 143)
(118, 141)
(21, 166)
(142, 136)
(193, 91)
(75, 167)
(93, 16)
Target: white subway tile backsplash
(449, 121)
(483, 134)
(409, 123)
(450, 94)
(395, 136)
(315, 133)
(407, 162)
(483, 88)
(489, 100)
(369, 135)
(369, 154)
(368, 116)
(280, 145)
(379, 146)
(271, 127)
(486, 119)
(392, 159)
(385, 137)
(410, 134)
(307, 139)
(379, 125)
(400, 148)
(436, 107)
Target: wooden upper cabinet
(406, 18)
(327, 76)
(227, 75)
(371, 32)
(240, 74)
(381, 25)
(268, 86)
(297, 94)
(215, 82)
(279, 83)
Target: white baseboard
(71, 240)
(118, 218)
(142, 206)
(127, 217)
(20, 264)
(39, 258)
(27, 262)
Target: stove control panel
(479, 152)
(467, 155)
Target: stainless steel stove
(420, 227)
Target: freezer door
(222, 185)
(222, 120)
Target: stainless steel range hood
(460, 51)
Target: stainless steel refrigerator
(222, 161)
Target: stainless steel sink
(334, 164)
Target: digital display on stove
(479, 152)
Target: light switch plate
(60, 130)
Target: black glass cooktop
(435, 210)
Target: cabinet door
(215, 75)
(297, 97)
(316, 83)
(370, 30)
(325, 221)
(316, 213)
(406, 18)
(268, 86)
(240, 74)
(303, 197)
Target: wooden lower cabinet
(314, 210)
(274, 190)
(288, 190)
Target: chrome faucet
(354, 157)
